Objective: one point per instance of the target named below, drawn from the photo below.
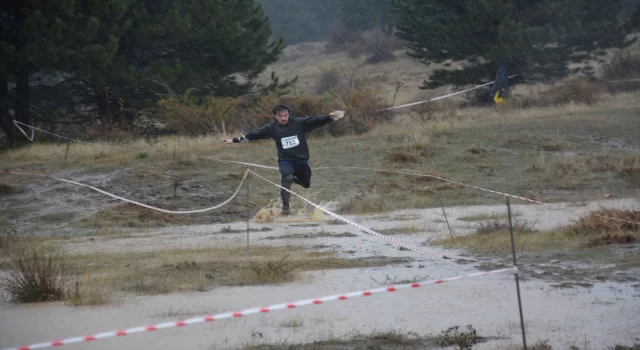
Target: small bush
(410, 153)
(607, 238)
(502, 225)
(629, 168)
(273, 271)
(541, 345)
(37, 274)
(598, 222)
(338, 35)
(402, 157)
(362, 104)
(463, 340)
(380, 46)
(327, 80)
(578, 90)
(623, 66)
(624, 347)
(186, 117)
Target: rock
(554, 261)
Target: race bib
(289, 142)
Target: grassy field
(574, 151)
(564, 153)
(95, 278)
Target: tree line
(67, 60)
(72, 60)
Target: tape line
(363, 228)
(15, 122)
(256, 310)
(328, 212)
(142, 204)
(241, 163)
(439, 178)
(445, 96)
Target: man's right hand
(228, 141)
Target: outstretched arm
(257, 134)
(321, 120)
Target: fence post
(515, 263)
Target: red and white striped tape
(363, 228)
(255, 310)
(138, 203)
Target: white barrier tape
(15, 122)
(384, 109)
(442, 179)
(142, 204)
(67, 138)
(242, 163)
(363, 228)
(445, 96)
(487, 190)
(256, 310)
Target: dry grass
(8, 235)
(485, 217)
(182, 270)
(36, 273)
(127, 215)
(410, 152)
(553, 153)
(402, 157)
(292, 323)
(273, 271)
(607, 238)
(381, 340)
(587, 232)
(312, 60)
(175, 148)
(401, 230)
(597, 222)
(623, 66)
(87, 289)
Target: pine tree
(535, 37)
(209, 47)
(101, 58)
(42, 36)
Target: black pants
(293, 171)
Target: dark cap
(280, 107)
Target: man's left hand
(337, 115)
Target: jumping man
(288, 132)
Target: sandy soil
(589, 315)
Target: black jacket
(290, 139)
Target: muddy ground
(570, 298)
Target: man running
(288, 132)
